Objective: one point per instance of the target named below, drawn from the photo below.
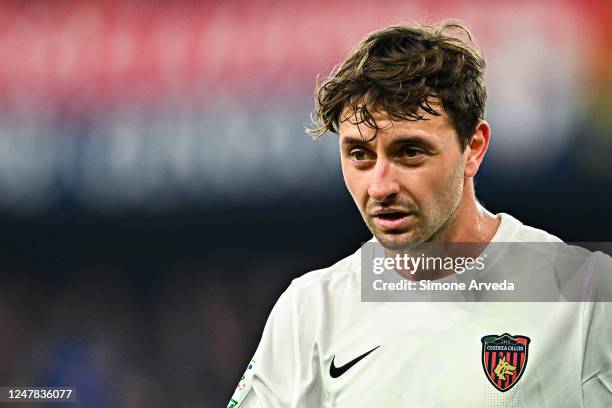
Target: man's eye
(358, 155)
(412, 152)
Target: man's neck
(470, 222)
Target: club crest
(504, 359)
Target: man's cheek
(358, 197)
(355, 184)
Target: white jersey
(323, 347)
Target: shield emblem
(504, 359)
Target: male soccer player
(408, 105)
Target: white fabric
(430, 353)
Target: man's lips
(392, 220)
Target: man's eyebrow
(411, 139)
(351, 140)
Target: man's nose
(383, 185)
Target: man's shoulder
(513, 230)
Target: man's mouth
(392, 216)
(392, 220)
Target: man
(408, 106)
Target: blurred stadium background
(158, 192)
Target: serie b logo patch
(504, 359)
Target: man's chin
(398, 241)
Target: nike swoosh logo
(336, 372)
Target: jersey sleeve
(597, 335)
(274, 378)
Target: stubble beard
(423, 231)
(428, 226)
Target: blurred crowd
(127, 339)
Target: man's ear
(476, 149)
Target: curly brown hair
(402, 70)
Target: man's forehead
(352, 125)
